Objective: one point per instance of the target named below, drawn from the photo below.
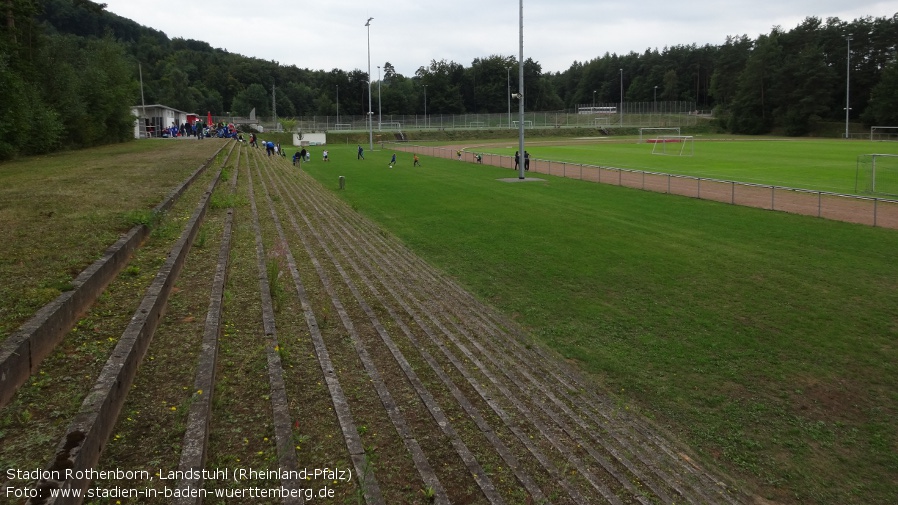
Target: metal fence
(867, 210)
(629, 115)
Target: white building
(153, 119)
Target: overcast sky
(328, 34)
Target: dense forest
(69, 74)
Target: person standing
(517, 159)
(393, 160)
(417, 162)
(324, 155)
(526, 161)
(361, 154)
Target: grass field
(58, 213)
(823, 165)
(765, 340)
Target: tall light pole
(655, 101)
(621, 97)
(521, 92)
(847, 84)
(370, 112)
(425, 105)
(338, 104)
(379, 109)
(594, 99)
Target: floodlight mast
(370, 112)
(521, 158)
(847, 85)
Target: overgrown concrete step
(426, 397)
(537, 493)
(368, 480)
(89, 431)
(23, 352)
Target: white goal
(673, 145)
(884, 133)
(877, 174)
(647, 133)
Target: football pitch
(765, 340)
(821, 165)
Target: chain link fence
(866, 210)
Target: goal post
(647, 133)
(673, 145)
(877, 174)
(884, 133)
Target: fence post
(819, 204)
(772, 197)
(733, 195)
(875, 201)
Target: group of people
(361, 156)
(306, 155)
(517, 160)
(275, 149)
(196, 129)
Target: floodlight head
(517, 95)
(368, 23)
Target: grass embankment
(32, 424)
(765, 340)
(59, 213)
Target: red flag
(209, 119)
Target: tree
(669, 87)
(883, 105)
(253, 97)
(729, 63)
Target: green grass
(765, 340)
(58, 213)
(824, 165)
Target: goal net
(884, 133)
(673, 145)
(877, 174)
(650, 133)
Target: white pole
(143, 104)
(521, 93)
(621, 97)
(370, 112)
(873, 174)
(379, 109)
(847, 84)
